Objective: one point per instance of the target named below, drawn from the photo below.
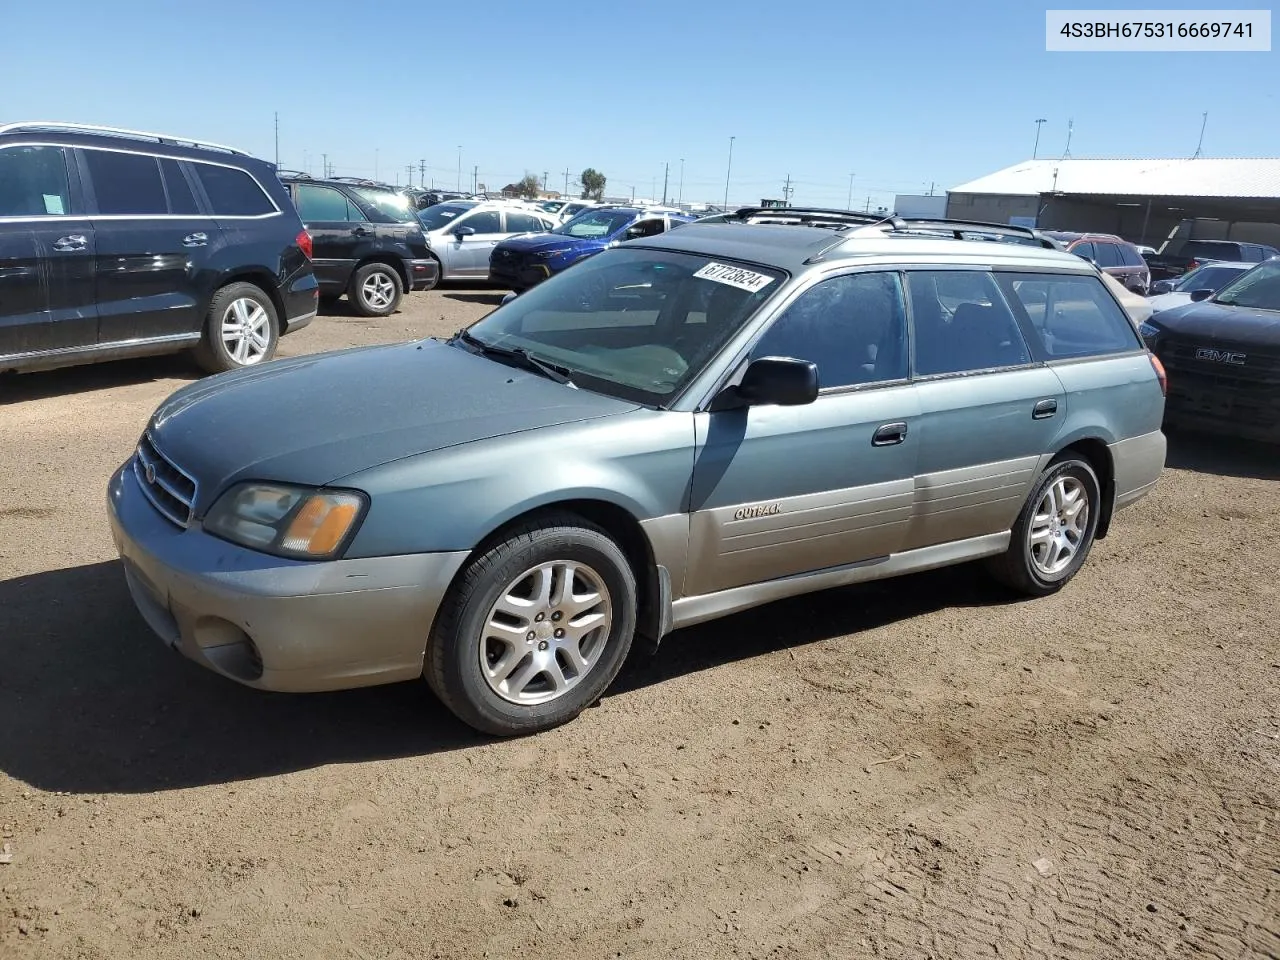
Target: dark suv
(368, 243)
(117, 243)
(1110, 254)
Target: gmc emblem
(1220, 356)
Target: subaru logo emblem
(151, 473)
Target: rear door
(46, 254)
(338, 231)
(988, 409)
(150, 256)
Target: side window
(1108, 254)
(181, 199)
(126, 183)
(1253, 254)
(853, 327)
(646, 228)
(1085, 250)
(355, 214)
(523, 223)
(232, 192)
(487, 221)
(1073, 316)
(33, 182)
(1130, 256)
(962, 323)
(319, 204)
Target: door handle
(362, 232)
(195, 240)
(74, 242)
(888, 434)
(1044, 409)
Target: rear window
(1130, 256)
(232, 192)
(1072, 316)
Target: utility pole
(867, 208)
(1204, 122)
(633, 194)
(1070, 128)
(566, 183)
(459, 168)
(544, 181)
(409, 167)
(680, 198)
(786, 192)
(666, 172)
(422, 173)
(1036, 148)
(277, 139)
(475, 178)
(728, 170)
(324, 165)
(848, 204)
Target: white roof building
(1200, 177)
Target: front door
(784, 490)
(470, 252)
(988, 410)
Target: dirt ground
(918, 768)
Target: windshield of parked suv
(1259, 288)
(1207, 278)
(441, 215)
(595, 223)
(635, 324)
(394, 205)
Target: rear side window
(323, 204)
(126, 183)
(232, 192)
(523, 223)
(1072, 316)
(1130, 256)
(33, 182)
(1084, 250)
(181, 199)
(1108, 254)
(962, 323)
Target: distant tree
(593, 182)
(528, 187)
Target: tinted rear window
(232, 192)
(126, 183)
(1072, 316)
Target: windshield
(1207, 278)
(635, 324)
(1259, 288)
(439, 216)
(394, 205)
(596, 223)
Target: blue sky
(902, 94)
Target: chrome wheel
(246, 331)
(546, 632)
(1059, 526)
(378, 290)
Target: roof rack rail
(293, 174)
(816, 216)
(959, 228)
(38, 126)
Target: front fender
(452, 499)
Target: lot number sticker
(734, 276)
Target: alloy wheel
(246, 331)
(378, 290)
(1059, 526)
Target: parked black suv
(368, 242)
(117, 243)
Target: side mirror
(508, 298)
(780, 381)
(1198, 295)
(463, 231)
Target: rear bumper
(270, 623)
(423, 274)
(301, 300)
(1137, 463)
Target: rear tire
(375, 290)
(505, 661)
(1055, 530)
(241, 329)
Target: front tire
(240, 330)
(1055, 531)
(375, 290)
(535, 629)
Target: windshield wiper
(523, 357)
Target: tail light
(1191, 265)
(1163, 377)
(303, 240)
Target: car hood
(1211, 321)
(1167, 301)
(316, 419)
(531, 242)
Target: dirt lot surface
(919, 768)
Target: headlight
(1147, 330)
(548, 254)
(288, 521)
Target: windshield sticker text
(734, 276)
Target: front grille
(1245, 392)
(166, 485)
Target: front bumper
(518, 276)
(271, 623)
(424, 273)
